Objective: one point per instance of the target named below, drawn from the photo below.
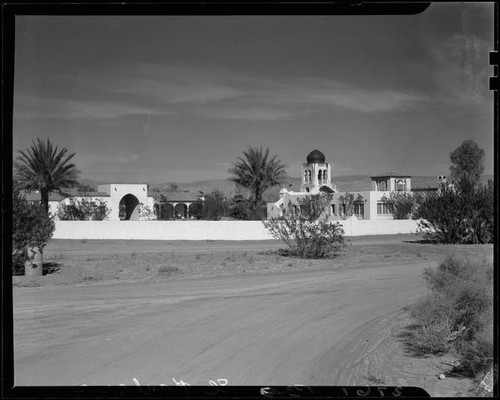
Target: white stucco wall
(208, 230)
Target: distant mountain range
(352, 183)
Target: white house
(316, 178)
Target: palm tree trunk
(33, 266)
(44, 195)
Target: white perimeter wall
(208, 230)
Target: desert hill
(185, 191)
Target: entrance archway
(129, 208)
(181, 210)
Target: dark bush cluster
(459, 214)
(457, 314)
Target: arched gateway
(129, 208)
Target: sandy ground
(271, 321)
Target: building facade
(316, 178)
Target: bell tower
(316, 174)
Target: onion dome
(315, 157)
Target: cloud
(48, 108)
(181, 91)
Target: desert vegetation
(306, 230)
(31, 230)
(258, 171)
(457, 315)
(460, 212)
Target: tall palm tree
(45, 168)
(258, 172)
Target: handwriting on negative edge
(211, 382)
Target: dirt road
(319, 327)
(310, 329)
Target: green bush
(457, 314)
(306, 230)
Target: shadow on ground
(51, 267)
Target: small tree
(467, 161)
(347, 201)
(215, 206)
(31, 230)
(83, 210)
(306, 230)
(403, 204)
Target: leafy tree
(306, 230)
(347, 201)
(258, 171)
(31, 229)
(467, 161)
(403, 204)
(461, 214)
(83, 210)
(45, 168)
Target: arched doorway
(180, 210)
(129, 208)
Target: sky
(154, 99)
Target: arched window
(382, 186)
(401, 185)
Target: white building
(123, 200)
(316, 178)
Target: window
(359, 210)
(333, 211)
(382, 186)
(384, 209)
(401, 185)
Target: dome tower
(316, 174)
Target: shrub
(83, 210)
(457, 314)
(461, 214)
(305, 229)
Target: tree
(306, 230)
(45, 168)
(403, 204)
(258, 171)
(347, 201)
(31, 229)
(467, 161)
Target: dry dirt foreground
(336, 323)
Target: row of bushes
(457, 315)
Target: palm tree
(45, 168)
(258, 172)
